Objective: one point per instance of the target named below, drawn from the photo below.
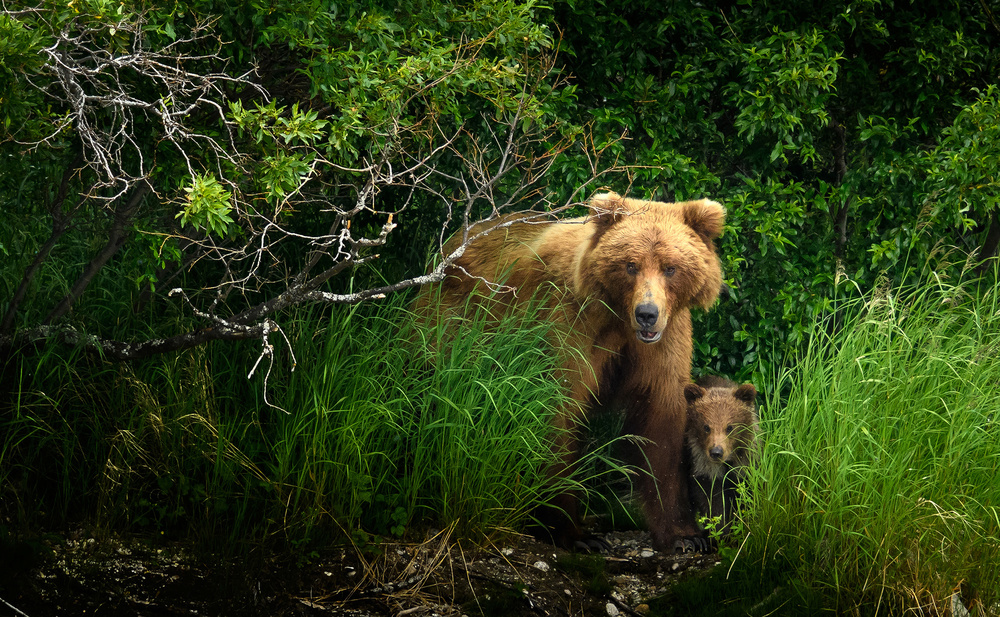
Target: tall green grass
(879, 483)
(385, 425)
(443, 424)
(119, 446)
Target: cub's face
(721, 426)
(650, 260)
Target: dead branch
(96, 82)
(474, 174)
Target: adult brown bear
(619, 285)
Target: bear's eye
(729, 429)
(708, 429)
(669, 271)
(630, 267)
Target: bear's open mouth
(647, 336)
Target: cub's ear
(693, 392)
(746, 393)
(705, 217)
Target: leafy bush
(844, 139)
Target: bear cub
(721, 437)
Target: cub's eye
(729, 429)
(631, 268)
(669, 271)
(708, 429)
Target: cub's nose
(646, 315)
(716, 453)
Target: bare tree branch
(470, 175)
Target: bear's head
(721, 427)
(649, 260)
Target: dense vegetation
(879, 471)
(383, 428)
(177, 173)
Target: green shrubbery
(387, 427)
(841, 137)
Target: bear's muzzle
(646, 316)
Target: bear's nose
(716, 452)
(646, 315)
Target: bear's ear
(606, 209)
(705, 217)
(693, 392)
(746, 393)
(706, 296)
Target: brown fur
(721, 438)
(627, 255)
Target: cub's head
(721, 427)
(649, 260)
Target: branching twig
(13, 608)
(131, 105)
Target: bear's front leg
(559, 519)
(664, 491)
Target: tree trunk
(60, 222)
(116, 237)
(990, 243)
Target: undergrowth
(385, 426)
(876, 490)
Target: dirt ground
(81, 575)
